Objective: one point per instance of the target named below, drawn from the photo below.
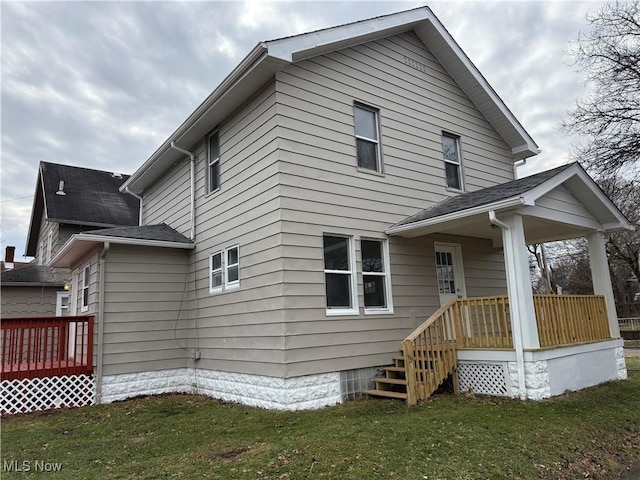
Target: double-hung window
(339, 268)
(213, 163)
(452, 161)
(224, 270)
(376, 278)
(85, 277)
(367, 138)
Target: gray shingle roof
(38, 274)
(161, 232)
(485, 196)
(91, 196)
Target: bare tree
(609, 58)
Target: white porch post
(601, 278)
(521, 309)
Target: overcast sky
(102, 85)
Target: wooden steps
(393, 384)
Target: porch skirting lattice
(35, 394)
(484, 378)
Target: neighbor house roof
(269, 57)
(29, 275)
(80, 244)
(87, 197)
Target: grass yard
(590, 434)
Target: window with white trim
(367, 138)
(85, 277)
(339, 275)
(213, 163)
(376, 278)
(224, 270)
(452, 161)
(232, 266)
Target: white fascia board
(254, 58)
(529, 147)
(502, 204)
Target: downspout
(100, 349)
(517, 331)
(139, 197)
(517, 164)
(193, 187)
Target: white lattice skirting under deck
(484, 378)
(34, 394)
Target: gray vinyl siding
(145, 309)
(323, 192)
(28, 301)
(239, 330)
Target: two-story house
(331, 194)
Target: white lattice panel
(483, 378)
(34, 394)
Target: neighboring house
(337, 189)
(67, 200)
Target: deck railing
(46, 346)
(430, 353)
(485, 322)
(571, 319)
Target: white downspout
(517, 164)
(193, 187)
(139, 197)
(517, 331)
(100, 349)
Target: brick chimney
(8, 257)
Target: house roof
(80, 244)
(91, 197)
(30, 275)
(269, 57)
(466, 214)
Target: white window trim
(219, 288)
(227, 284)
(210, 162)
(376, 112)
(459, 164)
(59, 296)
(83, 276)
(354, 310)
(387, 276)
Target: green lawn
(590, 434)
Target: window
(232, 279)
(367, 138)
(376, 279)
(213, 164)
(49, 246)
(85, 288)
(215, 272)
(339, 275)
(452, 161)
(224, 270)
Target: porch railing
(46, 346)
(571, 319)
(429, 353)
(485, 322)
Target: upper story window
(376, 278)
(213, 163)
(232, 266)
(452, 161)
(85, 288)
(339, 275)
(367, 138)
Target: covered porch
(519, 344)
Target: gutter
(517, 331)
(139, 197)
(100, 347)
(192, 169)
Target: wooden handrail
(485, 322)
(35, 347)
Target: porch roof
(564, 202)
(80, 244)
